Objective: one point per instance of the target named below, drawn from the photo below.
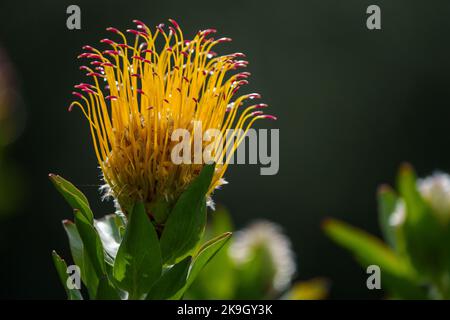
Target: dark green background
(352, 105)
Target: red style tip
(111, 98)
(224, 40)
(83, 55)
(138, 22)
(87, 48)
(107, 64)
(111, 52)
(207, 32)
(174, 23)
(88, 90)
(107, 41)
(79, 95)
(93, 56)
(172, 29)
(254, 96)
(242, 75)
(111, 29)
(239, 65)
(260, 105)
(135, 32)
(238, 55)
(94, 74)
(82, 85)
(123, 45)
(160, 27)
(256, 113)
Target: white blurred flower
(398, 216)
(435, 190)
(270, 236)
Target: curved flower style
(156, 84)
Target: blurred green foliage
(253, 277)
(415, 257)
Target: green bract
(130, 260)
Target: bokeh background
(352, 105)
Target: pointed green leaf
(367, 248)
(205, 254)
(75, 198)
(91, 243)
(61, 268)
(397, 273)
(172, 281)
(106, 290)
(81, 258)
(138, 261)
(407, 186)
(219, 271)
(186, 223)
(387, 201)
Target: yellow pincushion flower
(144, 90)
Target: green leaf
(61, 268)
(407, 186)
(91, 243)
(108, 230)
(367, 248)
(138, 261)
(397, 273)
(186, 222)
(106, 290)
(204, 255)
(171, 282)
(425, 237)
(73, 196)
(81, 258)
(387, 201)
(217, 281)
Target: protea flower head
(141, 91)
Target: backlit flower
(435, 189)
(143, 90)
(268, 236)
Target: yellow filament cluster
(157, 84)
